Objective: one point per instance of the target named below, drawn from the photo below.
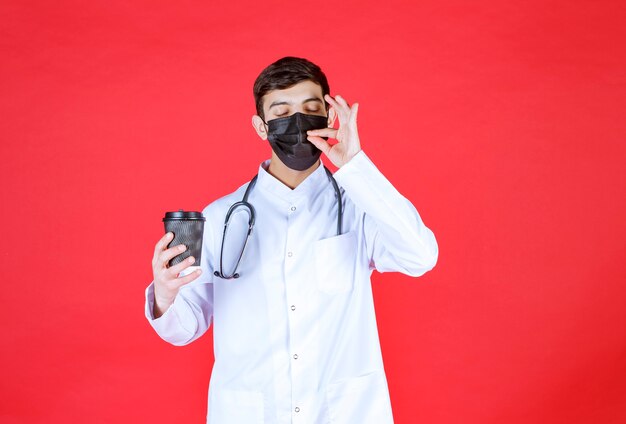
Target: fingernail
(181, 248)
(191, 259)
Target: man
(295, 335)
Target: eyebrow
(311, 99)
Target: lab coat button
(297, 409)
(293, 307)
(289, 254)
(293, 208)
(295, 356)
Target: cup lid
(183, 215)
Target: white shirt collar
(309, 187)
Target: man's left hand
(347, 135)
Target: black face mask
(287, 136)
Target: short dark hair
(283, 74)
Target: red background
(503, 122)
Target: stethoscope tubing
(252, 215)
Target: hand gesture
(347, 135)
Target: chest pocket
(335, 262)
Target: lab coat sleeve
(395, 236)
(190, 316)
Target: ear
(332, 116)
(259, 126)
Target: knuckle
(162, 275)
(159, 282)
(168, 257)
(177, 283)
(187, 278)
(171, 285)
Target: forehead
(296, 94)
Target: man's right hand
(166, 280)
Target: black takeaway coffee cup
(188, 229)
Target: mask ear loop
(267, 129)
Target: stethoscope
(244, 204)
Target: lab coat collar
(312, 184)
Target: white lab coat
(295, 337)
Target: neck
(290, 177)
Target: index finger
(337, 102)
(162, 244)
(342, 111)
